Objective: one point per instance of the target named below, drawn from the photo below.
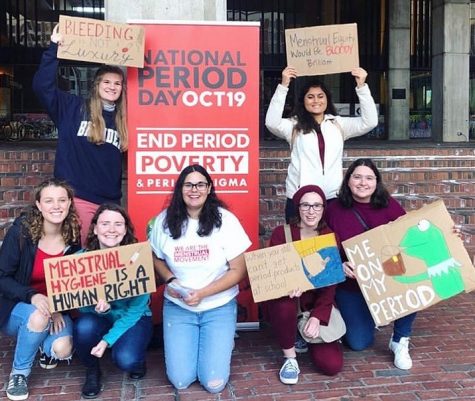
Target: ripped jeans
(28, 342)
(198, 345)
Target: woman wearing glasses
(198, 250)
(364, 203)
(310, 202)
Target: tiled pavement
(443, 350)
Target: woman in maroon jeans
(282, 312)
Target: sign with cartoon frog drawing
(411, 263)
(305, 264)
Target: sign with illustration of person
(105, 42)
(320, 50)
(82, 279)
(410, 264)
(305, 264)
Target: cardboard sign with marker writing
(104, 42)
(320, 50)
(305, 264)
(82, 279)
(410, 264)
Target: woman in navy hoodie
(92, 133)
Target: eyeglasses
(200, 186)
(318, 207)
(359, 177)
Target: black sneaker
(47, 362)
(92, 386)
(17, 388)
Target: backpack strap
(288, 233)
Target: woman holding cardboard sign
(198, 250)
(364, 203)
(124, 325)
(310, 201)
(49, 228)
(316, 134)
(92, 134)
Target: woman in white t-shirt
(198, 252)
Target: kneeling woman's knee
(38, 322)
(215, 385)
(62, 347)
(180, 381)
(84, 325)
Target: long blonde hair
(97, 124)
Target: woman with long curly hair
(50, 228)
(198, 250)
(316, 133)
(92, 133)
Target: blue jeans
(128, 352)
(360, 326)
(28, 342)
(198, 345)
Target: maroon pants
(282, 315)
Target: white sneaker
(289, 372)
(402, 359)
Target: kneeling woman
(310, 202)
(124, 325)
(198, 244)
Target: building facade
(420, 56)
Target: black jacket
(17, 256)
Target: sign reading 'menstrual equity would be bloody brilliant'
(320, 50)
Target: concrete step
(384, 162)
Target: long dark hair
(177, 214)
(380, 196)
(305, 120)
(92, 242)
(33, 224)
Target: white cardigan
(305, 166)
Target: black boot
(92, 386)
(138, 373)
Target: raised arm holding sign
(316, 133)
(92, 132)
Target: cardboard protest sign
(411, 263)
(82, 279)
(320, 50)
(305, 264)
(97, 41)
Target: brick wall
(414, 173)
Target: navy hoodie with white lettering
(94, 171)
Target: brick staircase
(414, 175)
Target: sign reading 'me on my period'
(320, 50)
(410, 264)
(305, 264)
(82, 279)
(96, 41)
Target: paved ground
(443, 350)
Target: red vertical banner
(196, 100)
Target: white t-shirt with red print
(198, 261)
